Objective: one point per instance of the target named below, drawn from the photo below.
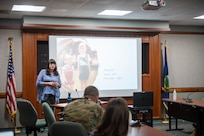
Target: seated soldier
(85, 110)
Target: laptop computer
(142, 99)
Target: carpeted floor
(187, 128)
(185, 125)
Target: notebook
(142, 99)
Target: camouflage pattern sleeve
(84, 111)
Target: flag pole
(10, 39)
(165, 121)
(165, 83)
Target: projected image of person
(83, 60)
(78, 64)
(66, 56)
(68, 71)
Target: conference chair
(49, 115)
(28, 117)
(67, 128)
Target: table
(180, 109)
(145, 130)
(145, 113)
(62, 105)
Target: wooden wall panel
(189, 89)
(29, 69)
(146, 84)
(42, 37)
(155, 72)
(29, 64)
(145, 39)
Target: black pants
(50, 100)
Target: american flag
(11, 88)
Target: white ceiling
(177, 12)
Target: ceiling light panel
(28, 8)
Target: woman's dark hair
(55, 72)
(115, 121)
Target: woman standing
(48, 84)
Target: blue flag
(165, 84)
(165, 79)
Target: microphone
(187, 99)
(77, 93)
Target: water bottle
(69, 98)
(174, 95)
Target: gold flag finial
(10, 39)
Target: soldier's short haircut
(91, 91)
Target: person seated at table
(115, 121)
(85, 110)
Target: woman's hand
(50, 83)
(55, 84)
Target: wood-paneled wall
(150, 81)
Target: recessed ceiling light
(114, 12)
(59, 10)
(199, 17)
(28, 8)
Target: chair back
(67, 128)
(49, 114)
(27, 113)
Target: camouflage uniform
(84, 111)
